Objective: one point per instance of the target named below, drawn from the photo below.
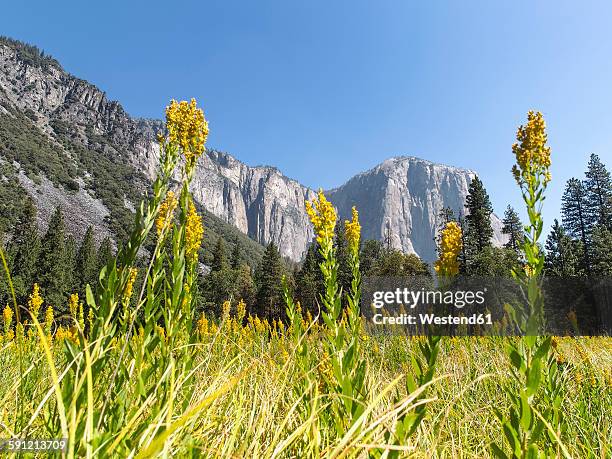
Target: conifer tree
(86, 262)
(219, 262)
(576, 218)
(478, 218)
(477, 230)
(268, 278)
(244, 287)
(51, 267)
(24, 249)
(371, 251)
(513, 228)
(104, 255)
(561, 253)
(602, 251)
(70, 278)
(309, 280)
(445, 216)
(236, 255)
(598, 187)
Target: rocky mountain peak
(403, 193)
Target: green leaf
(533, 378)
(497, 452)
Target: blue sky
(324, 90)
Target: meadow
(134, 372)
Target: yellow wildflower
(161, 332)
(48, 319)
(193, 232)
(532, 154)
(203, 325)
(187, 128)
(74, 305)
(450, 247)
(35, 301)
(166, 213)
(240, 310)
(7, 315)
(353, 231)
(226, 310)
(129, 286)
(323, 217)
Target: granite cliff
(81, 126)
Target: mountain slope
(95, 159)
(65, 144)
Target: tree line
(581, 245)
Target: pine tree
(236, 255)
(576, 218)
(219, 262)
(309, 280)
(513, 228)
(70, 277)
(476, 227)
(244, 287)
(598, 186)
(86, 262)
(105, 254)
(561, 253)
(478, 217)
(268, 277)
(25, 249)
(602, 251)
(371, 251)
(445, 216)
(51, 266)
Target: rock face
(402, 197)
(404, 194)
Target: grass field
(257, 417)
(134, 372)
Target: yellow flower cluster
(194, 232)
(35, 301)
(73, 304)
(203, 325)
(166, 213)
(226, 310)
(66, 334)
(323, 217)
(187, 128)
(450, 247)
(240, 310)
(7, 315)
(48, 319)
(532, 154)
(353, 231)
(129, 286)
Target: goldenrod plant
(533, 426)
(423, 367)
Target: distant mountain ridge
(84, 128)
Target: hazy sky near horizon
(324, 90)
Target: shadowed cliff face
(404, 193)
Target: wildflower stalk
(533, 365)
(20, 344)
(342, 341)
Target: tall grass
(143, 377)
